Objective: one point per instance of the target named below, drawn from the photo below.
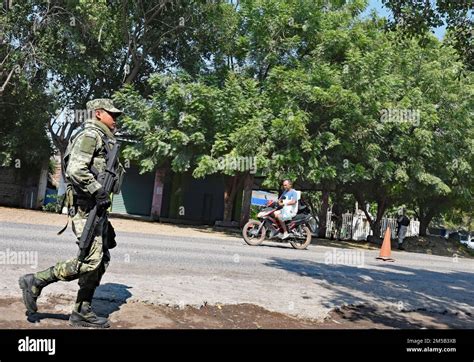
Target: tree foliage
(306, 89)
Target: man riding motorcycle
(289, 201)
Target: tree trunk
(382, 204)
(134, 72)
(323, 214)
(375, 224)
(247, 199)
(61, 158)
(381, 207)
(363, 207)
(425, 219)
(375, 237)
(232, 185)
(62, 179)
(42, 183)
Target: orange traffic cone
(386, 248)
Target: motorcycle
(300, 228)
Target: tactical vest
(73, 198)
(94, 171)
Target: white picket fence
(356, 227)
(413, 227)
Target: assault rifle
(106, 179)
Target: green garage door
(136, 195)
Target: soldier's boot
(32, 285)
(84, 316)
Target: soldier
(402, 227)
(86, 157)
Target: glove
(102, 199)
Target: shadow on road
(109, 297)
(37, 317)
(275, 245)
(395, 289)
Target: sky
(383, 11)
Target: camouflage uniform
(86, 153)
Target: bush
(54, 206)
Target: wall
(19, 189)
(197, 200)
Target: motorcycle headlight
(260, 214)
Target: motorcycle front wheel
(302, 243)
(249, 233)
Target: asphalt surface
(194, 271)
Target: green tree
(417, 18)
(383, 120)
(195, 125)
(88, 49)
(419, 149)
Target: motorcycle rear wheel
(302, 244)
(256, 239)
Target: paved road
(176, 270)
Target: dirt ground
(54, 314)
(436, 245)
